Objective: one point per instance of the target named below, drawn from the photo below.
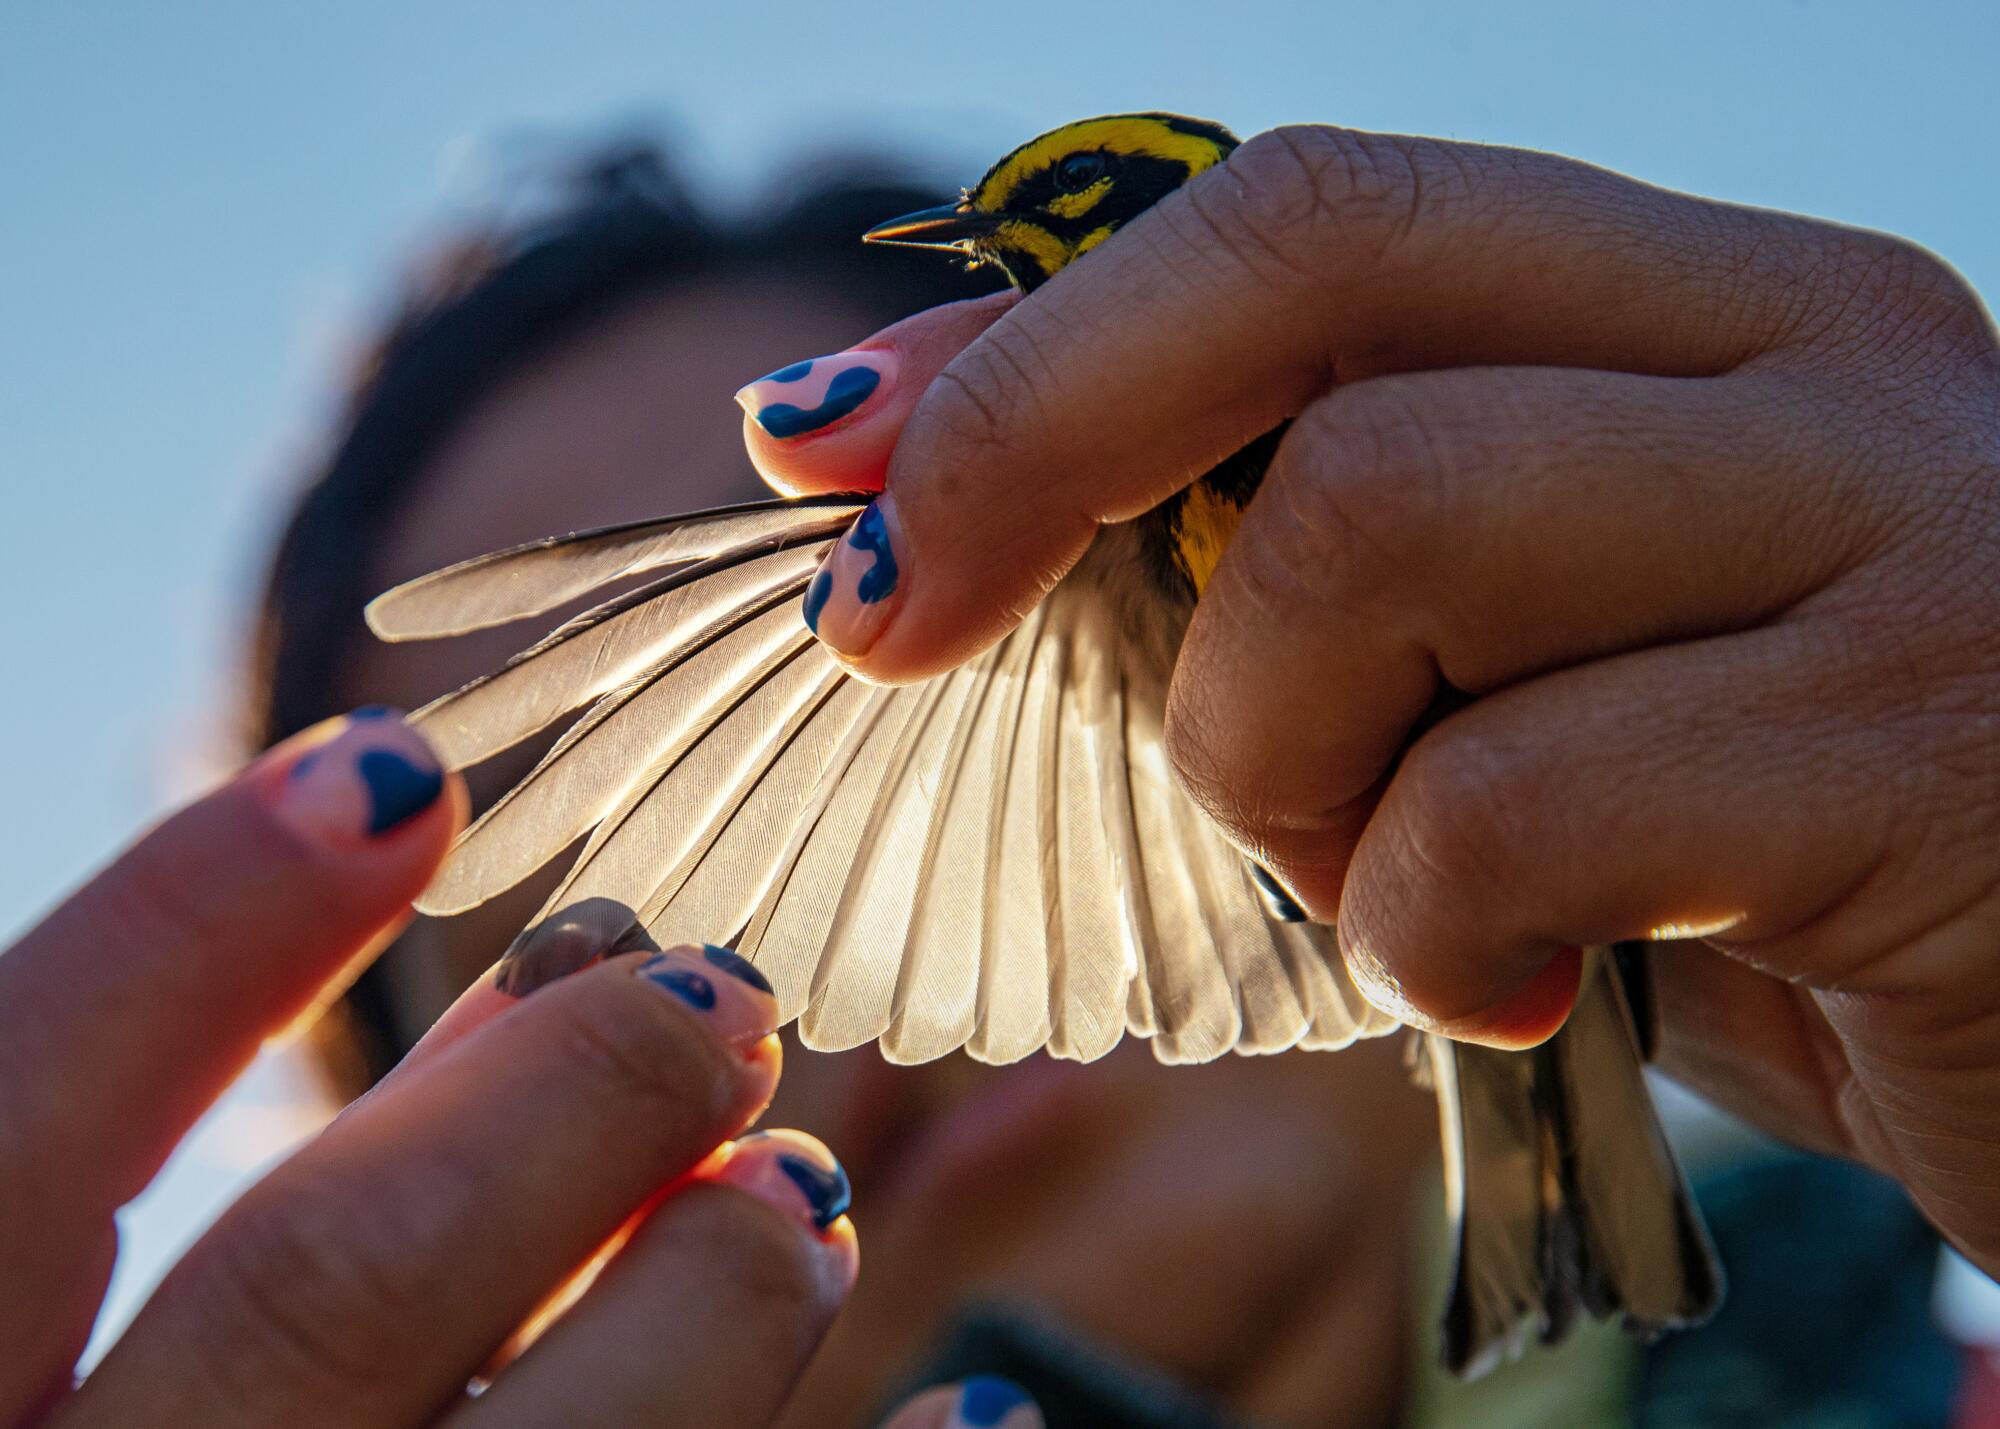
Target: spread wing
(997, 859)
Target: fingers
(710, 1312)
(1473, 528)
(368, 1277)
(982, 1402)
(146, 991)
(131, 1006)
(830, 423)
(1516, 828)
(1311, 255)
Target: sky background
(201, 206)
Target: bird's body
(999, 859)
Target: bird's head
(1057, 197)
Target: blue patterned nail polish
(986, 1399)
(362, 776)
(737, 966)
(683, 982)
(825, 1189)
(398, 790)
(858, 587)
(812, 395)
(816, 594)
(871, 534)
(844, 394)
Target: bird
(999, 859)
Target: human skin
(364, 1280)
(1699, 503)
(1094, 1194)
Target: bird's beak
(949, 225)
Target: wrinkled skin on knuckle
(980, 414)
(1298, 197)
(304, 1292)
(1461, 809)
(1891, 312)
(1355, 481)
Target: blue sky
(199, 201)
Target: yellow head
(1057, 197)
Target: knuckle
(1904, 306)
(303, 1289)
(1459, 814)
(1299, 189)
(1364, 472)
(984, 405)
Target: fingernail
(737, 966)
(570, 940)
(1533, 1013)
(362, 776)
(853, 594)
(986, 1401)
(811, 396)
(791, 1171)
(741, 1012)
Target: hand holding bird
(1694, 499)
(997, 857)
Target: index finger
(1311, 256)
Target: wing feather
(608, 646)
(692, 785)
(509, 585)
(1013, 995)
(1193, 1005)
(788, 928)
(1094, 958)
(656, 717)
(865, 942)
(936, 1005)
(715, 891)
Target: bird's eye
(1079, 171)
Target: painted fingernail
(737, 966)
(851, 597)
(570, 940)
(811, 396)
(362, 776)
(742, 1013)
(792, 1171)
(986, 1401)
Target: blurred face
(1166, 1212)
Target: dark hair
(487, 303)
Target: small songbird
(999, 859)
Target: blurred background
(205, 206)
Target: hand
(369, 1277)
(1701, 503)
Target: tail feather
(1562, 1189)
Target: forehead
(1191, 142)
